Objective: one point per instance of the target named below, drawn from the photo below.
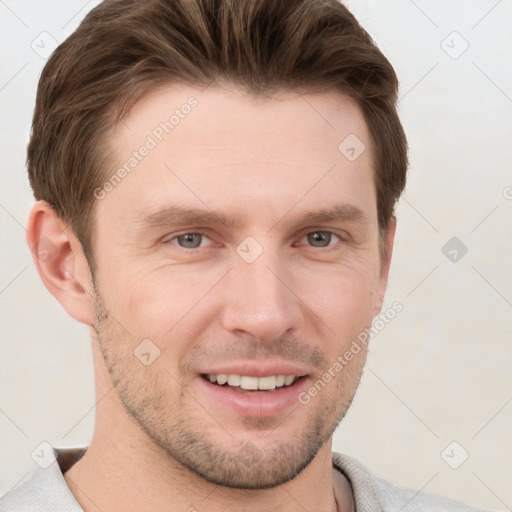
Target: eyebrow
(340, 213)
(178, 216)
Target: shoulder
(409, 500)
(372, 493)
(44, 489)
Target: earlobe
(60, 261)
(385, 265)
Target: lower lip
(254, 403)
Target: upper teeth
(254, 383)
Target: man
(216, 181)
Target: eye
(189, 240)
(321, 238)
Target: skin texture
(160, 442)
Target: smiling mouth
(249, 383)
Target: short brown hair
(124, 48)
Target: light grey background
(439, 372)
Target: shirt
(46, 490)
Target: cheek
(167, 306)
(343, 294)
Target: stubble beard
(242, 465)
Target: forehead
(180, 143)
(224, 109)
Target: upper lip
(255, 369)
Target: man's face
(243, 244)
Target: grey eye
(189, 240)
(319, 238)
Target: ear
(60, 261)
(384, 266)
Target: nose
(260, 300)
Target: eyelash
(203, 234)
